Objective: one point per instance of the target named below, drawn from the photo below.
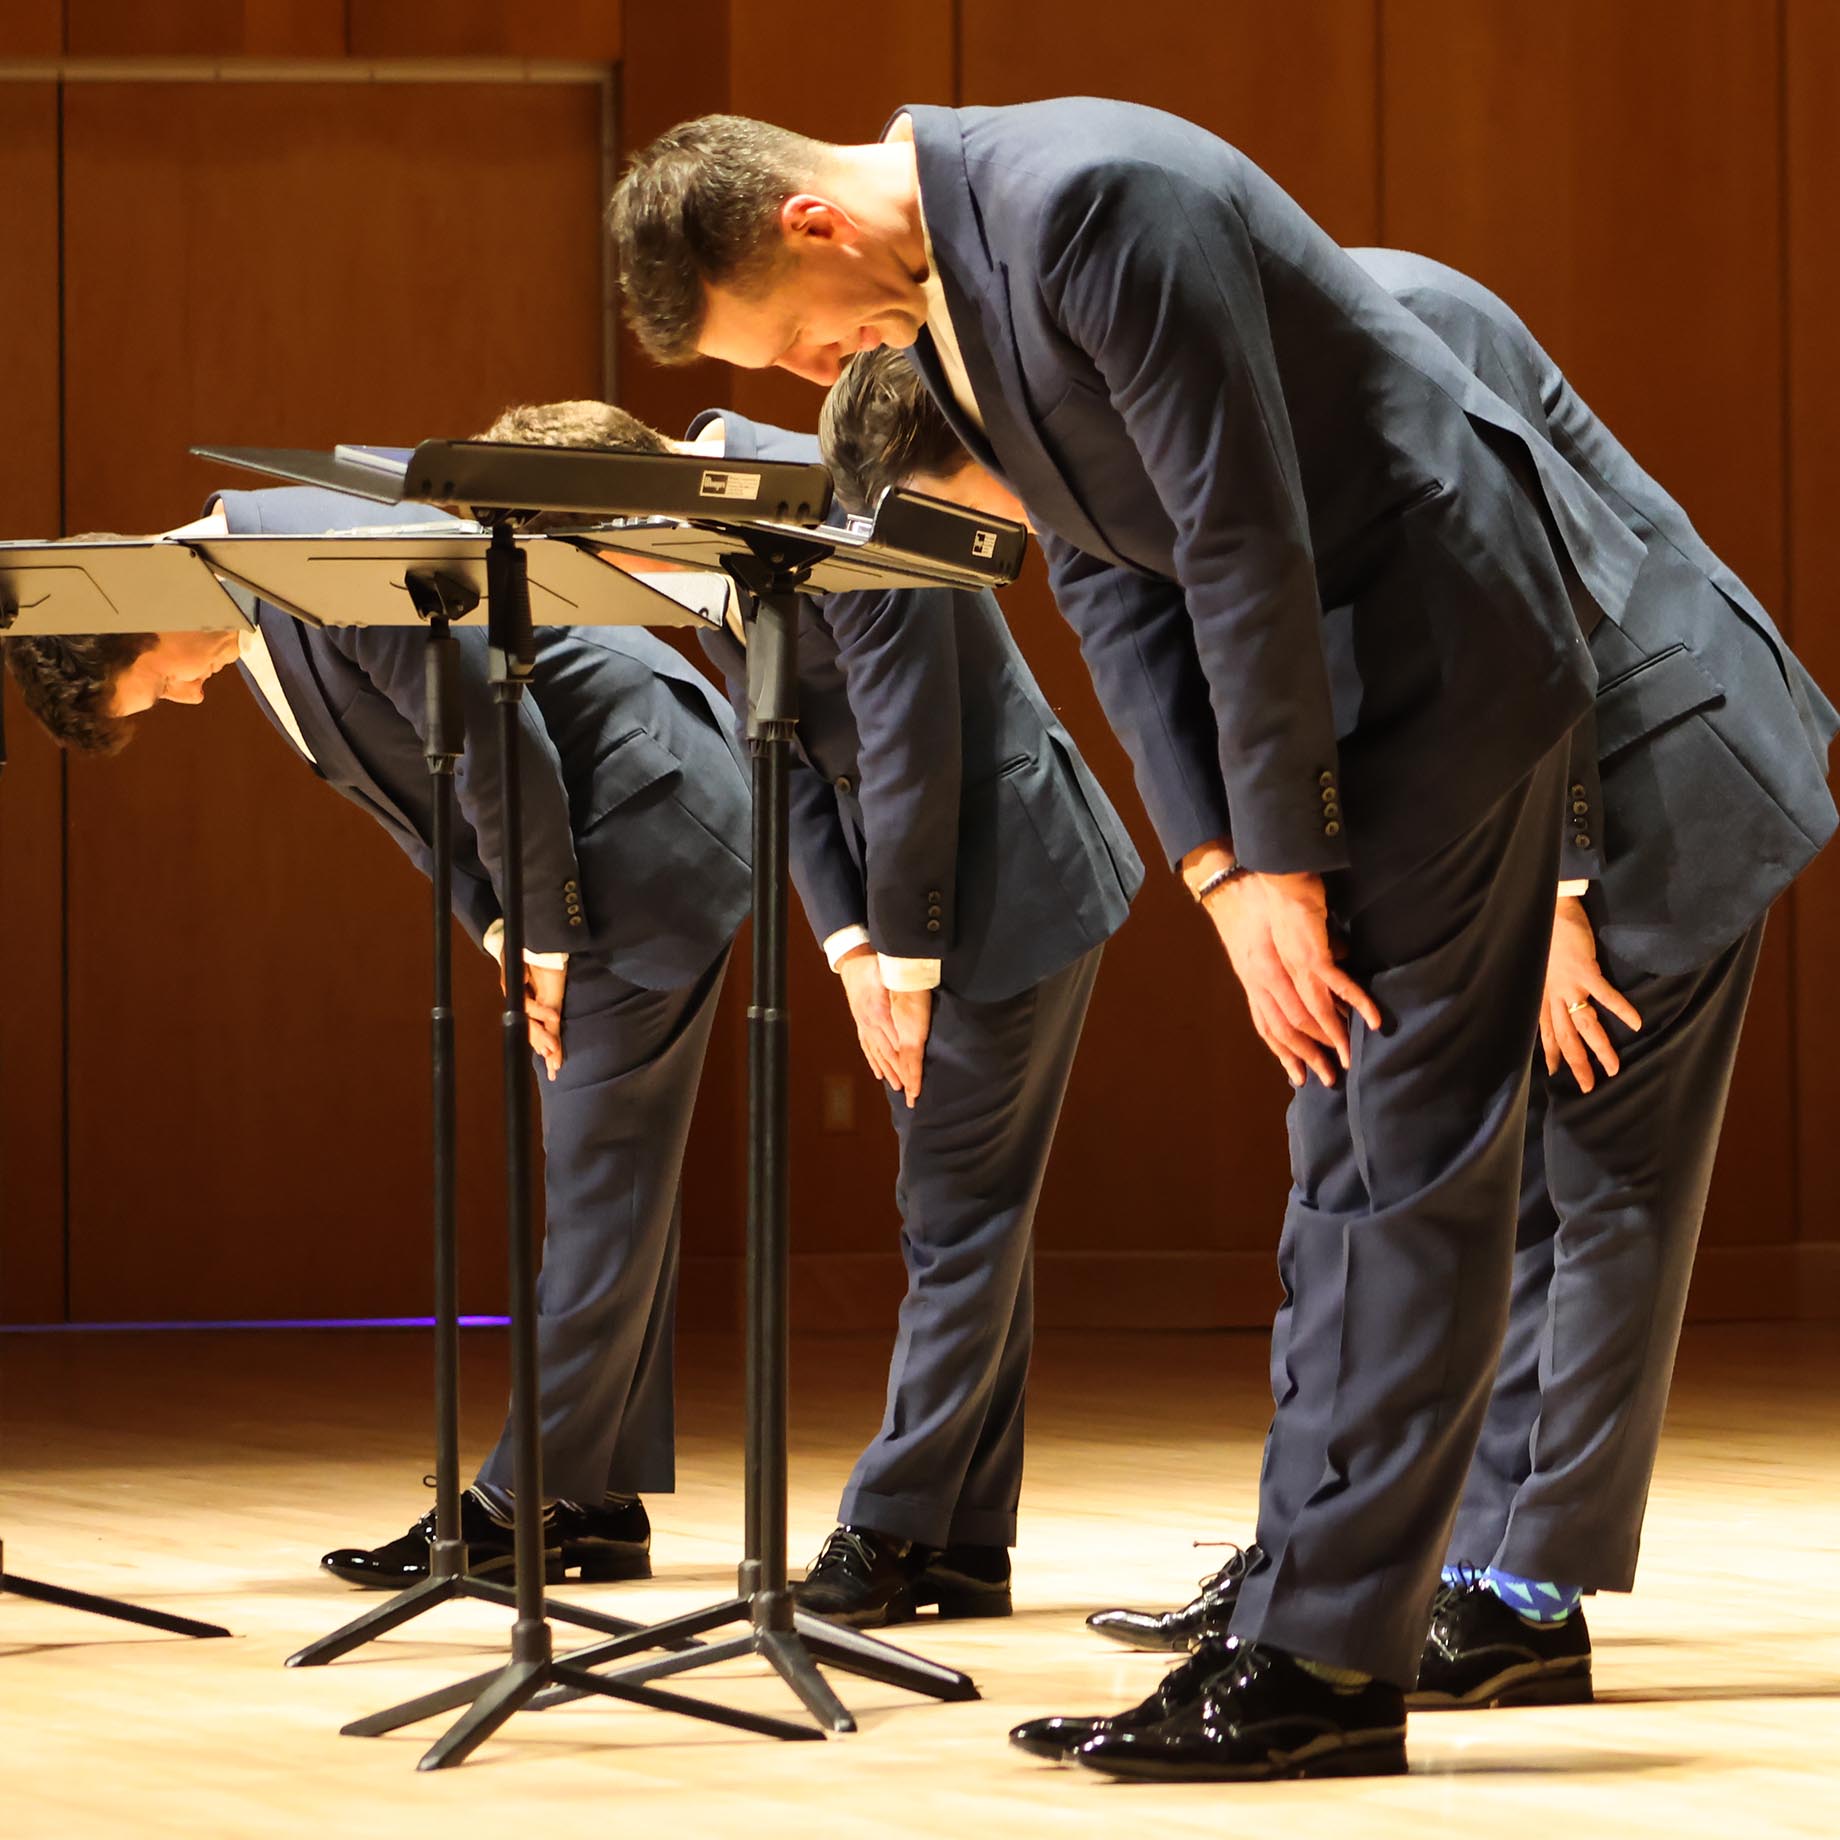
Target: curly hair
(698, 208)
(68, 683)
(879, 428)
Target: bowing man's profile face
(835, 288)
(174, 669)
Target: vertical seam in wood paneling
(1380, 123)
(958, 54)
(1785, 227)
(63, 757)
(610, 280)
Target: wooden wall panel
(662, 82)
(1813, 176)
(31, 788)
(248, 1016)
(1614, 173)
(206, 28)
(1292, 86)
(839, 87)
(31, 28)
(674, 66)
(586, 29)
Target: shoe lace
(1235, 1567)
(845, 1551)
(1468, 1580)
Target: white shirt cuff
(908, 973)
(845, 939)
(494, 943)
(1576, 890)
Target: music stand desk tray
(111, 585)
(359, 578)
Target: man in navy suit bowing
(962, 870)
(636, 815)
(1706, 751)
(1331, 592)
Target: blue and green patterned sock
(1533, 1600)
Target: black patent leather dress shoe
(1481, 1653)
(1171, 1631)
(1263, 1718)
(864, 1578)
(1058, 1738)
(966, 1581)
(601, 1543)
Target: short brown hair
(68, 683)
(880, 427)
(697, 208)
(582, 423)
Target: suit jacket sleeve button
(1578, 791)
(843, 782)
(1332, 828)
(574, 919)
(1582, 839)
(1325, 778)
(932, 926)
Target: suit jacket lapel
(333, 754)
(977, 296)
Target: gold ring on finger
(1572, 1009)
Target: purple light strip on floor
(271, 1322)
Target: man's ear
(806, 215)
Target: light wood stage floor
(205, 1473)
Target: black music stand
(758, 523)
(107, 585)
(432, 575)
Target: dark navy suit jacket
(937, 800)
(1710, 737)
(1311, 560)
(636, 802)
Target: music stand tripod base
(792, 1643)
(88, 1601)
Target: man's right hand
(1576, 988)
(1275, 929)
(873, 1015)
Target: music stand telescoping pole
(775, 568)
(433, 574)
(495, 1696)
(744, 533)
(441, 599)
(67, 588)
(440, 587)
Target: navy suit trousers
(1613, 1193)
(946, 1466)
(615, 1121)
(1398, 1245)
